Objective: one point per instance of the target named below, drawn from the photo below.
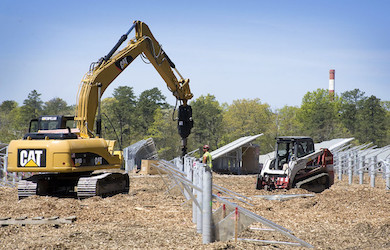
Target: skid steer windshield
(284, 153)
(304, 148)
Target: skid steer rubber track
(316, 183)
(104, 184)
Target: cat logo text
(31, 157)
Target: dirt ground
(343, 217)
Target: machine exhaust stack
(331, 83)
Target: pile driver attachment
(184, 125)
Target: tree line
(128, 118)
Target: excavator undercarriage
(74, 185)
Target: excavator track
(74, 185)
(103, 185)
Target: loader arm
(109, 67)
(301, 163)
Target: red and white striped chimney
(331, 83)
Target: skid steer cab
(297, 164)
(52, 127)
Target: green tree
(372, 122)
(9, 111)
(351, 102)
(8, 106)
(207, 115)
(249, 117)
(287, 121)
(56, 106)
(32, 106)
(148, 102)
(319, 115)
(386, 106)
(120, 110)
(109, 123)
(163, 130)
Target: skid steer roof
(293, 138)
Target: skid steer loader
(297, 165)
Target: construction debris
(55, 220)
(342, 217)
(284, 197)
(135, 153)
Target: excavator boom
(110, 66)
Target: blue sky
(273, 50)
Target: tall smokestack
(331, 83)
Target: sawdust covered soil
(342, 217)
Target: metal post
(335, 161)
(352, 159)
(5, 167)
(236, 225)
(239, 163)
(350, 165)
(357, 162)
(372, 171)
(388, 175)
(341, 167)
(207, 230)
(190, 170)
(200, 170)
(125, 158)
(187, 167)
(344, 164)
(361, 170)
(186, 161)
(194, 191)
(178, 163)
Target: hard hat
(206, 146)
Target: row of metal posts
(354, 162)
(3, 167)
(201, 176)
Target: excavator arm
(103, 72)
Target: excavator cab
(51, 122)
(52, 127)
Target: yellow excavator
(64, 151)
